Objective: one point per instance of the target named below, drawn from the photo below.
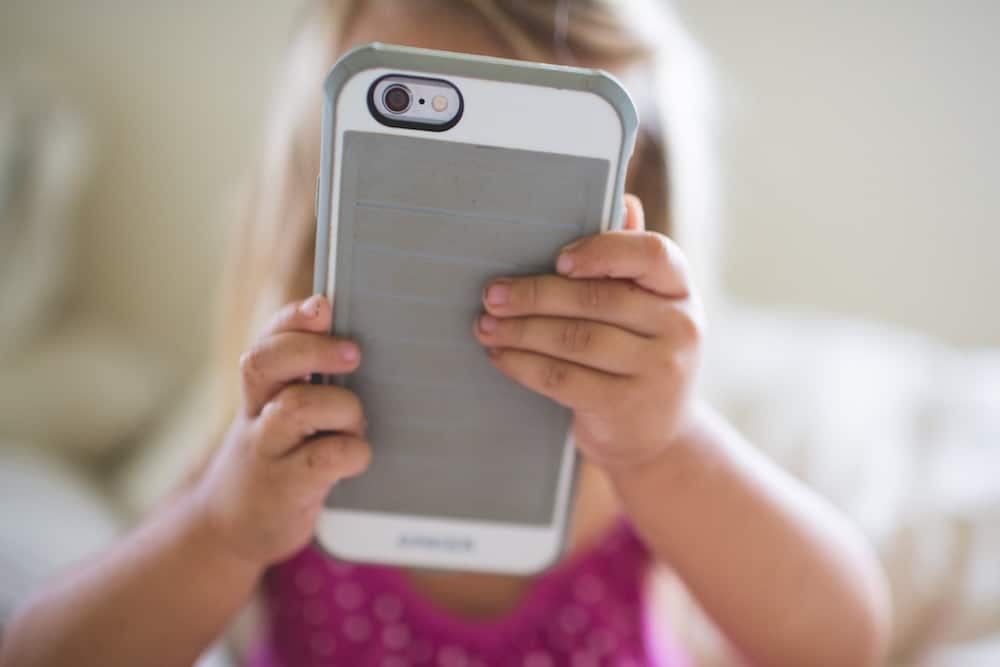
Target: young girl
(613, 334)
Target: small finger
(569, 384)
(313, 314)
(617, 302)
(593, 344)
(635, 215)
(326, 460)
(650, 259)
(289, 356)
(302, 411)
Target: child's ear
(635, 218)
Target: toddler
(613, 333)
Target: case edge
(446, 63)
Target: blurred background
(858, 155)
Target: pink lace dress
(587, 611)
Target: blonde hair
(663, 68)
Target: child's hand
(291, 440)
(615, 338)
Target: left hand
(615, 338)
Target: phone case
(409, 278)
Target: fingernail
(310, 307)
(564, 264)
(348, 351)
(487, 323)
(498, 294)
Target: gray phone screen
(423, 226)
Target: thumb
(635, 218)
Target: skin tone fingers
(565, 382)
(653, 261)
(615, 338)
(312, 314)
(593, 344)
(292, 442)
(288, 356)
(299, 412)
(615, 302)
(324, 461)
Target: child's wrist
(672, 456)
(203, 531)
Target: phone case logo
(436, 543)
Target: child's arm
(616, 338)
(158, 598)
(167, 591)
(784, 576)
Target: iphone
(439, 172)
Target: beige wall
(862, 156)
(176, 94)
(860, 145)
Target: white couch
(901, 432)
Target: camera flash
(440, 103)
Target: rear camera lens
(396, 98)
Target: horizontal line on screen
(448, 259)
(367, 203)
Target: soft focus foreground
(857, 153)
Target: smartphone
(440, 171)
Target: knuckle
(533, 291)
(671, 367)
(319, 455)
(250, 363)
(332, 452)
(515, 331)
(575, 337)
(656, 247)
(555, 375)
(592, 295)
(296, 345)
(285, 315)
(659, 315)
(683, 324)
(591, 298)
(291, 402)
(605, 295)
(688, 326)
(347, 455)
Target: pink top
(586, 611)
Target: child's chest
(586, 610)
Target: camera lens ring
(397, 98)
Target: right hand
(290, 441)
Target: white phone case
(469, 469)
